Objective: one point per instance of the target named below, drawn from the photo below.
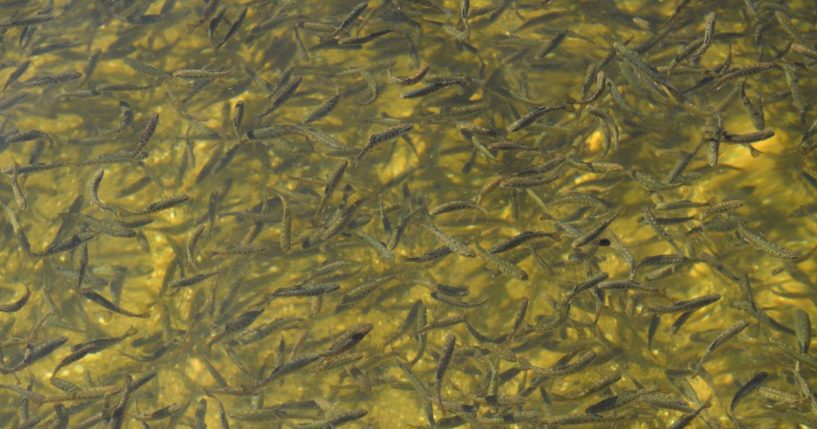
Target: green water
(297, 213)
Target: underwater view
(408, 213)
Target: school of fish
(408, 213)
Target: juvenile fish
(754, 137)
(505, 266)
(73, 242)
(722, 207)
(12, 100)
(535, 114)
(234, 28)
(192, 280)
(289, 367)
(17, 190)
(726, 335)
(551, 45)
(442, 365)
(16, 74)
(594, 232)
(431, 87)
(362, 291)
(452, 243)
(415, 77)
(626, 285)
(531, 181)
(452, 206)
(662, 260)
(653, 222)
(36, 353)
(563, 368)
(518, 239)
(163, 205)
(285, 239)
(304, 290)
(742, 72)
(431, 255)
(617, 401)
(632, 58)
(332, 184)
(52, 80)
(325, 109)
(359, 40)
(110, 306)
(686, 419)
(802, 329)
(16, 305)
(19, 232)
(200, 73)
(746, 389)
(81, 350)
(350, 18)
(687, 305)
(377, 138)
(709, 31)
(348, 339)
(284, 94)
(758, 241)
(755, 110)
(612, 127)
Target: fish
(412, 79)
(802, 329)
(754, 137)
(200, 73)
(110, 306)
(532, 116)
(753, 384)
(687, 418)
(709, 31)
(687, 304)
(350, 18)
(518, 240)
(162, 205)
(18, 304)
(725, 335)
(594, 232)
(192, 280)
(617, 401)
(234, 27)
(506, 267)
(282, 96)
(16, 74)
(452, 206)
(34, 354)
(758, 241)
(51, 80)
(377, 138)
(754, 109)
(79, 351)
(650, 218)
(449, 343)
(432, 87)
(449, 242)
(633, 58)
(286, 225)
(325, 109)
(721, 207)
(359, 40)
(348, 339)
(737, 73)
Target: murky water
(402, 213)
